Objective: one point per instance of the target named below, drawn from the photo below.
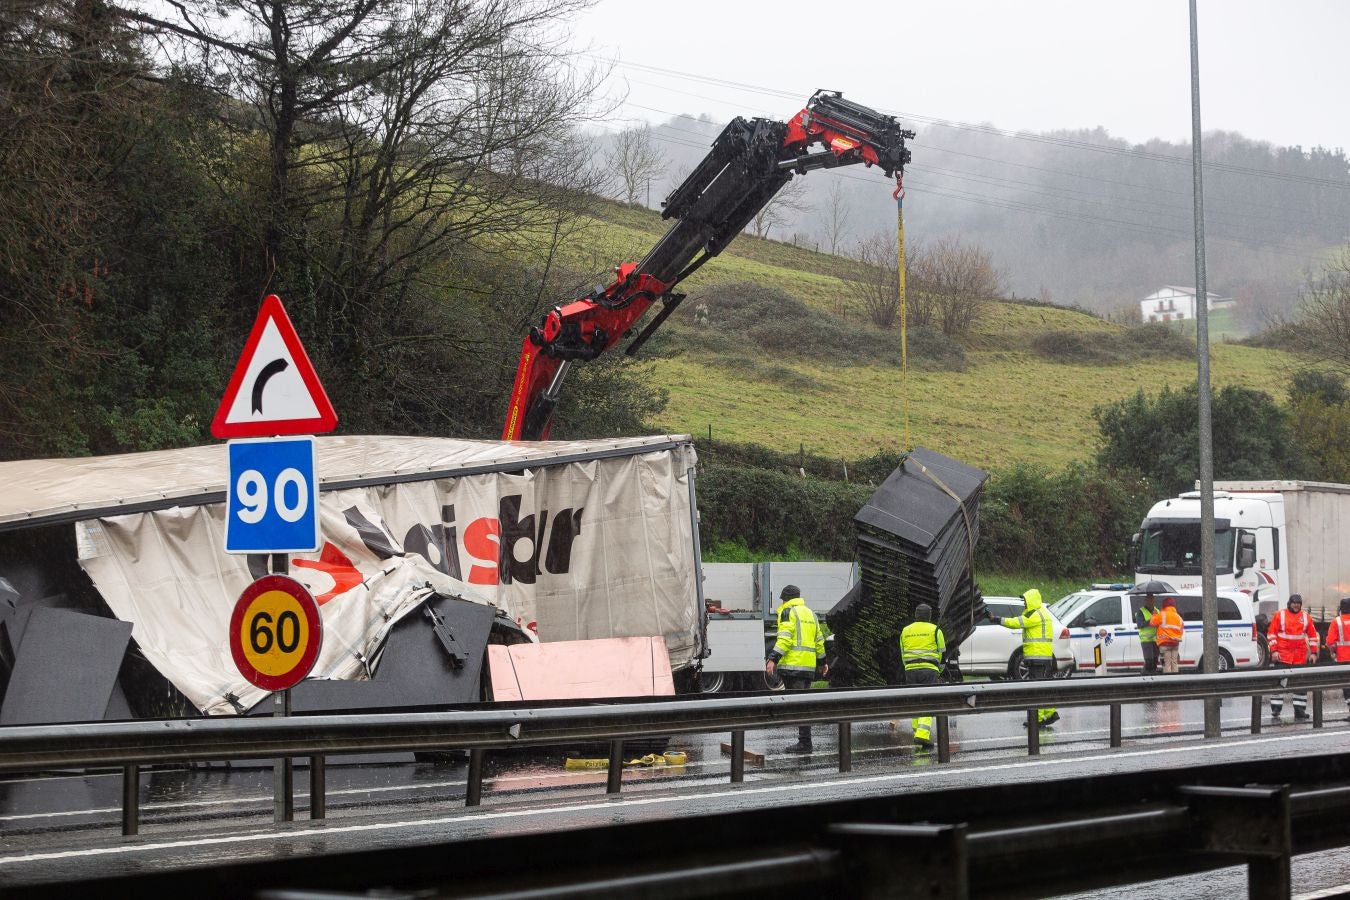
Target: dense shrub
(774, 512)
(780, 324)
(1076, 522)
(1159, 437)
(1105, 347)
(1070, 523)
(869, 470)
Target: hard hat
(790, 592)
(923, 612)
(1294, 598)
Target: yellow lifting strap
(899, 195)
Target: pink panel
(581, 670)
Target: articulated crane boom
(749, 162)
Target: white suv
(996, 651)
(1112, 608)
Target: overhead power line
(1130, 152)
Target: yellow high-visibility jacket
(922, 645)
(800, 645)
(1038, 629)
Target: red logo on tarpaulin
(274, 389)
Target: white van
(1085, 613)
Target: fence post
(1033, 734)
(944, 738)
(1115, 725)
(1317, 709)
(1256, 714)
(845, 746)
(737, 757)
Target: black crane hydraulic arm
(749, 162)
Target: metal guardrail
(132, 745)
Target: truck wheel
(1017, 666)
(773, 682)
(1262, 652)
(711, 682)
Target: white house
(1173, 304)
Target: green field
(1010, 405)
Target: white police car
(1111, 608)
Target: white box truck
(1271, 539)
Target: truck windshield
(1173, 548)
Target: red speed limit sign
(275, 632)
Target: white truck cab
(1271, 539)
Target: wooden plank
(751, 756)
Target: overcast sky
(1275, 71)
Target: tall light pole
(1209, 603)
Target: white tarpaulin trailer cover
(572, 539)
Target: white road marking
(895, 777)
(1339, 890)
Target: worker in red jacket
(1338, 639)
(1292, 639)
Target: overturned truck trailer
(916, 544)
(116, 592)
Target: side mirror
(1246, 552)
(1132, 555)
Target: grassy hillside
(1010, 404)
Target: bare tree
(878, 285)
(635, 161)
(404, 138)
(1324, 313)
(960, 279)
(781, 209)
(837, 215)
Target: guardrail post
(1115, 725)
(131, 799)
(737, 757)
(1257, 706)
(845, 746)
(473, 792)
(944, 738)
(903, 860)
(1250, 822)
(318, 787)
(615, 782)
(1317, 708)
(1033, 733)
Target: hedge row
(1073, 523)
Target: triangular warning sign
(274, 388)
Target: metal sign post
(275, 637)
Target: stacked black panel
(916, 541)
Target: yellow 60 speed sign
(275, 632)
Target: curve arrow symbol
(275, 367)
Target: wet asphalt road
(50, 826)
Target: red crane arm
(749, 162)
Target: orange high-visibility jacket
(1170, 626)
(1338, 637)
(1292, 637)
